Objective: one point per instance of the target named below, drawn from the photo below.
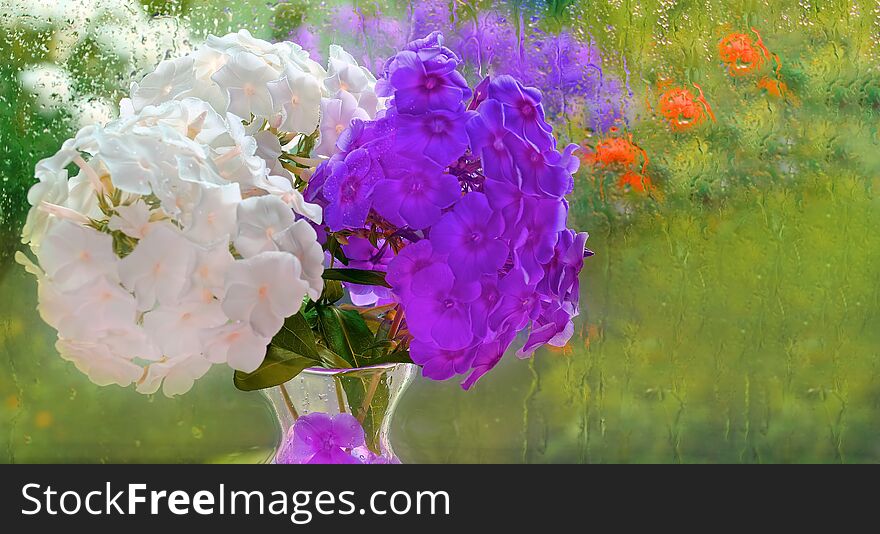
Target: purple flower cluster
(472, 184)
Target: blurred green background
(730, 313)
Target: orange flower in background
(623, 153)
(633, 181)
(683, 110)
(773, 87)
(741, 54)
(616, 151)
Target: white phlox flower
(264, 290)
(235, 344)
(337, 114)
(259, 218)
(301, 240)
(298, 95)
(160, 267)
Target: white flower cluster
(176, 245)
(275, 83)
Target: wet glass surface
(731, 310)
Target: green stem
(339, 398)
(368, 399)
(288, 402)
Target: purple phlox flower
(488, 355)
(431, 48)
(481, 93)
(542, 172)
(314, 191)
(363, 255)
(319, 438)
(421, 87)
(475, 195)
(519, 302)
(523, 112)
(440, 135)
(566, 159)
(376, 136)
(561, 273)
(470, 234)
(491, 140)
(482, 308)
(412, 268)
(554, 326)
(438, 363)
(439, 313)
(508, 200)
(413, 195)
(353, 137)
(348, 189)
(543, 220)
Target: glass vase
(368, 394)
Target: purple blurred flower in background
(566, 67)
(428, 16)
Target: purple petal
(347, 431)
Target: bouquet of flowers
(251, 207)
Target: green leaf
(345, 332)
(278, 367)
(296, 336)
(333, 292)
(335, 250)
(395, 356)
(331, 360)
(357, 276)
